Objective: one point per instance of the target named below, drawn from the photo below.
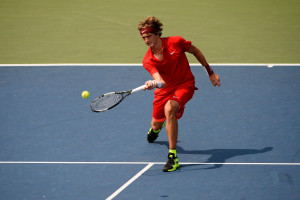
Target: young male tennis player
(167, 63)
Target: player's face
(150, 39)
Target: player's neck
(157, 47)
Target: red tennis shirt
(175, 68)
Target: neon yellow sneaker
(153, 135)
(172, 163)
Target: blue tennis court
(239, 141)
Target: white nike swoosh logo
(144, 31)
(173, 52)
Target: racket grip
(138, 88)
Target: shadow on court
(217, 155)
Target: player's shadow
(217, 155)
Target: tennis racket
(110, 100)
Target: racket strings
(107, 101)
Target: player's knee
(171, 108)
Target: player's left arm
(214, 78)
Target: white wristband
(158, 84)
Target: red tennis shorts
(182, 95)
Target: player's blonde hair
(151, 22)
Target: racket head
(106, 101)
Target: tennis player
(167, 63)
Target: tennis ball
(85, 94)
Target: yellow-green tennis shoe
(153, 135)
(172, 163)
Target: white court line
(130, 181)
(149, 165)
(269, 65)
(138, 163)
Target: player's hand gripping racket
(110, 100)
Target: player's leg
(174, 109)
(171, 109)
(158, 118)
(156, 125)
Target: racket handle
(138, 88)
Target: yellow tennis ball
(85, 94)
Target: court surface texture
(237, 142)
